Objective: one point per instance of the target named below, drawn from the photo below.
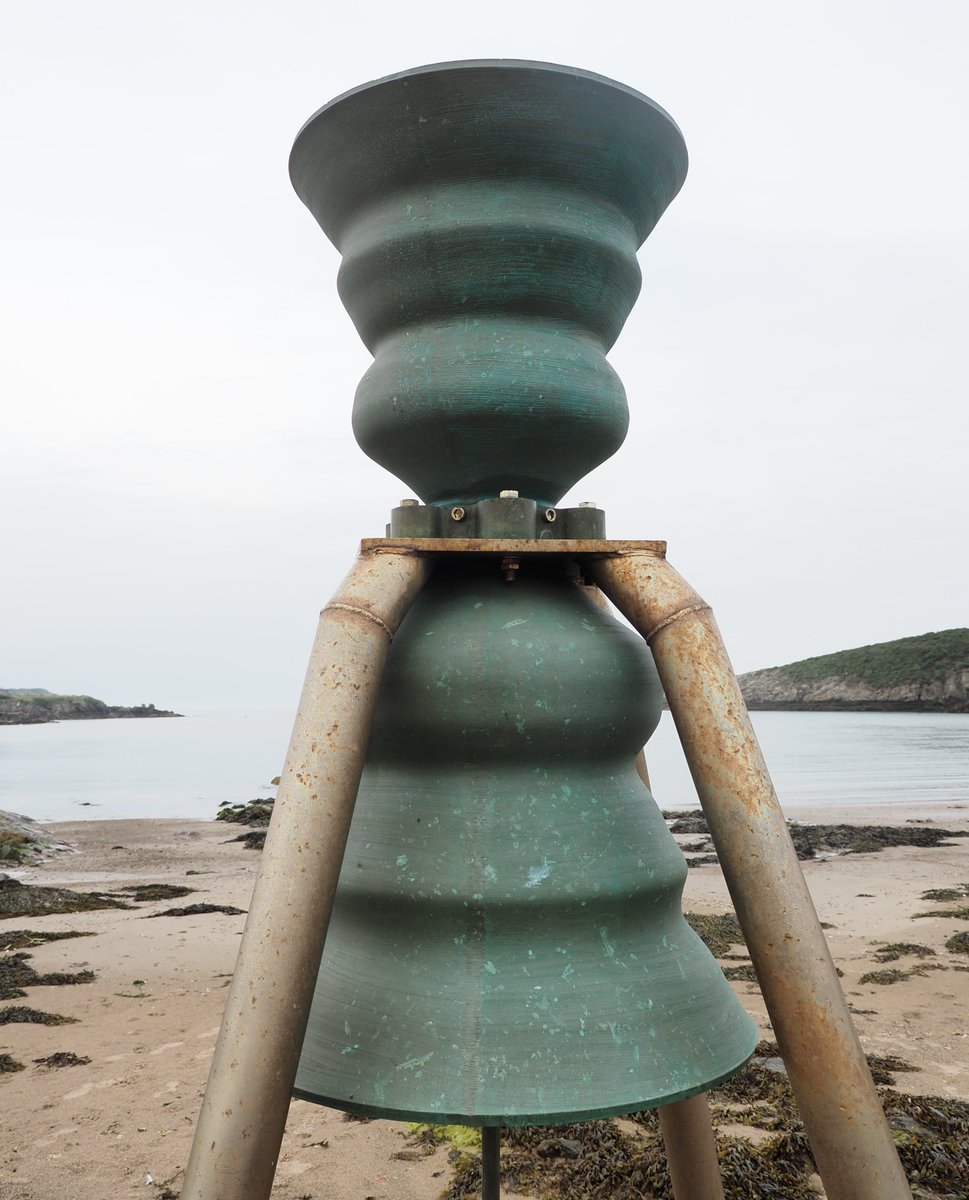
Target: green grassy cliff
(929, 673)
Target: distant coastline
(928, 673)
(37, 706)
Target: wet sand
(121, 1126)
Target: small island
(928, 673)
(37, 706)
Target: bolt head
(550, 515)
(458, 513)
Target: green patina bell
(507, 944)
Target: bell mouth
(478, 1120)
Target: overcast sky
(180, 488)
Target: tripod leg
(837, 1100)
(687, 1127)
(691, 1149)
(246, 1102)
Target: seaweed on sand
(718, 931)
(960, 892)
(257, 812)
(19, 939)
(63, 1058)
(19, 1014)
(27, 900)
(194, 910)
(958, 943)
(15, 975)
(604, 1160)
(8, 1065)
(812, 840)
(255, 839)
(896, 950)
(142, 893)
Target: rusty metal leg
(691, 1149)
(837, 1100)
(246, 1102)
(687, 1128)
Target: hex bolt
(510, 567)
(587, 504)
(550, 515)
(508, 494)
(409, 503)
(458, 513)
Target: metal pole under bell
(491, 1162)
(691, 1149)
(246, 1102)
(849, 1135)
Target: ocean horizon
(187, 767)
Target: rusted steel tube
(687, 1127)
(246, 1102)
(850, 1138)
(691, 1149)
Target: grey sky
(180, 487)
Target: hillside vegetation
(928, 673)
(37, 706)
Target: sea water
(186, 767)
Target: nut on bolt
(510, 565)
(508, 494)
(550, 515)
(458, 513)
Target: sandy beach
(121, 1124)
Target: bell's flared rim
(486, 65)
(560, 1117)
(488, 118)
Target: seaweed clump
(896, 950)
(63, 1058)
(142, 893)
(196, 910)
(608, 1160)
(256, 812)
(27, 900)
(811, 841)
(255, 839)
(8, 1065)
(958, 943)
(19, 1014)
(18, 939)
(960, 892)
(718, 931)
(16, 974)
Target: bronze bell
(507, 944)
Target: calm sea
(186, 768)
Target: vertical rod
(849, 1135)
(491, 1162)
(691, 1149)
(243, 1115)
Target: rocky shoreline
(35, 706)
